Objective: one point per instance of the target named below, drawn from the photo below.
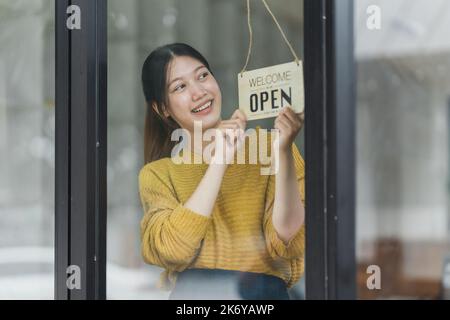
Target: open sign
(264, 92)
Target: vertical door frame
(330, 149)
(80, 176)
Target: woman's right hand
(232, 137)
(204, 197)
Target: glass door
(218, 29)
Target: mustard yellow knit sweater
(239, 235)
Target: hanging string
(297, 60)
(250, 38)
(281, 30)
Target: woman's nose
(198, 92)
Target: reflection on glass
(403, 149)
(218, 29)
(27, 149)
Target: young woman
(219, 230)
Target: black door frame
(80, 176)
(81, 124)
(330, 149)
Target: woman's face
(192, 94)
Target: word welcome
(270, 79)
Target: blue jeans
(217, 284)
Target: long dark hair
(158, 128)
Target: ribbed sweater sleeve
(295, 248)
(171, 234)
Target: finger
(229, 136)
(229, 126)
(238, 122)
(283, 117)
(289, 111)
(241, 124)
(234, 133)
(242, 120)
(295, 121)
(234, 126)
(232, 138)
(301, 116)
(276, 126)
(241, 135)
(282, 129)
(292, 118)
(230, 121)
(231, 132)
(296, 118)
(239, 143)
(282, 120)
(238, 114)
(276, 122)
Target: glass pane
(27, 122)
(403, 101)
(218, 29)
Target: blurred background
(403, 102)
(403, 137)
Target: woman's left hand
(289, 125)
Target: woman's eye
(179, 87)
(204, 75)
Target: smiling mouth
(204, 107)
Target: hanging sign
(264, 92)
